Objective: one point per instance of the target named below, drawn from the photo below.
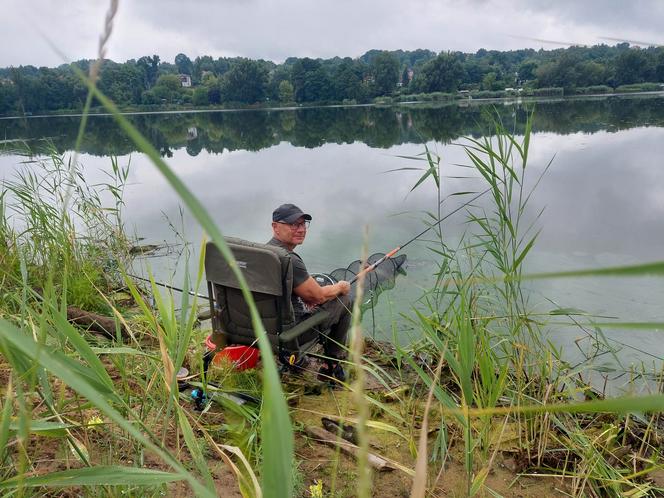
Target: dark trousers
(338, 323)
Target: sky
(52, 32)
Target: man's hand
(343, 287)
(312, 293)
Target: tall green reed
(456, 327)
(477, 318)
(47, 228)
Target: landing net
(382, 278)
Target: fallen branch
(94, 322)
(326, 437)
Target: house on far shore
(185, 80)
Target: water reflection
(216, 132)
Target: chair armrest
(304, 326)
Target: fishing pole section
(372, 266)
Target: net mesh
(382, 278)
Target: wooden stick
(326, 437)
(94, 322)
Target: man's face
(291, 234)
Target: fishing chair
(268, 272)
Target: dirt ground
(338, 471)
(319, 464)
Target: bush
(442, 96)
(554, 91)
(200, 96)
(639, 87)
(425, 97)
(487, 94)
(592, 90)
(383, 100)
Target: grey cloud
(612, 18)
(275, 30)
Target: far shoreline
(461, 102)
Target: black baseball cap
(289, 213)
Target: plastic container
(241, 357)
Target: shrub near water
(53, 219)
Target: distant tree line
(206, 81)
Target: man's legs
(338, 323)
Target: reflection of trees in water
(313, 127)
(591, 116)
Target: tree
(276, 76)
(286, 91)
(200, 97)
(385, 71)
(442, 74)
(184, 64)
(122, 83)
(489, 82)
(474, 71)
(213, 87)
(150, 67)
(30, 91)
(631, 66)
(659, 66)
(527, 70)
(310, 81)
(7, 98)
(167, 90)
(348, 81)
(590, 73)
(202, 65)
(246, 82)
(561, 72)
(169, 82)
(222, 65)
(405, 79)
(419, 56)
(57, 87)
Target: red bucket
(241, 357)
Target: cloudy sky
(34, 31)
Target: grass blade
(113, 475)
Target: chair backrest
(268, 272)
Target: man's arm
(312, 293)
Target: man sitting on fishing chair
(289, 228)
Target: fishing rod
(363, 272)
(398, 248)
(167, 286)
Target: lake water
(603, 196)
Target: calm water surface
(603, 196)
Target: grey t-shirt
(300, 275)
